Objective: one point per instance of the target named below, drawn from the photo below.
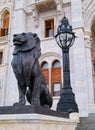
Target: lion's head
(25, 42)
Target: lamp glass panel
(58, 40)
(69, 38)
(63, 39)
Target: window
(5, 25)
(56, 64)
(56, 78)
(1, 55)
(53, 76)
(49, 28)
(56, 89)
(45, 71)
(44, 65)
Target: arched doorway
(93, 53)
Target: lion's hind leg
(45, 98)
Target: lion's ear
(35, 35)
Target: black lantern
(65, 39)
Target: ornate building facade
(43, 18)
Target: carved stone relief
(4, 1)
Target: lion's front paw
(46, 106)
(35, 102)
(17, 104)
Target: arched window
(44, 67)
(56, 78)
(5, 24)
(56, 64)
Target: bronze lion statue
(30, 79)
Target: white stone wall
(5, 5)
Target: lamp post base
(67, 102)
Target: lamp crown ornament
(65, 26)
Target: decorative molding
(3, 40)
(87, 33)
(89, 13)
(43, 56)
(4, 1)
(59, 5)
(87, 43)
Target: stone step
(85, 128)
(88, 120)
(87, 123)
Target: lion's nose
(15, 35)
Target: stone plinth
(37, 122)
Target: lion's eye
(23, 33)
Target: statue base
(34, 120)
(28, 109)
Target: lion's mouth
(17, 42)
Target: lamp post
(65, 39)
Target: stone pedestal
(37, 122)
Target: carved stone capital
(4, 1)
(59, 5)
(35, 14)
(88, 43)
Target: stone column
(89, 71)
(50, 85)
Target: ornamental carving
(4, 1)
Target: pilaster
(20, 16)
(80, 72)
(76, 10)
(89, 70)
